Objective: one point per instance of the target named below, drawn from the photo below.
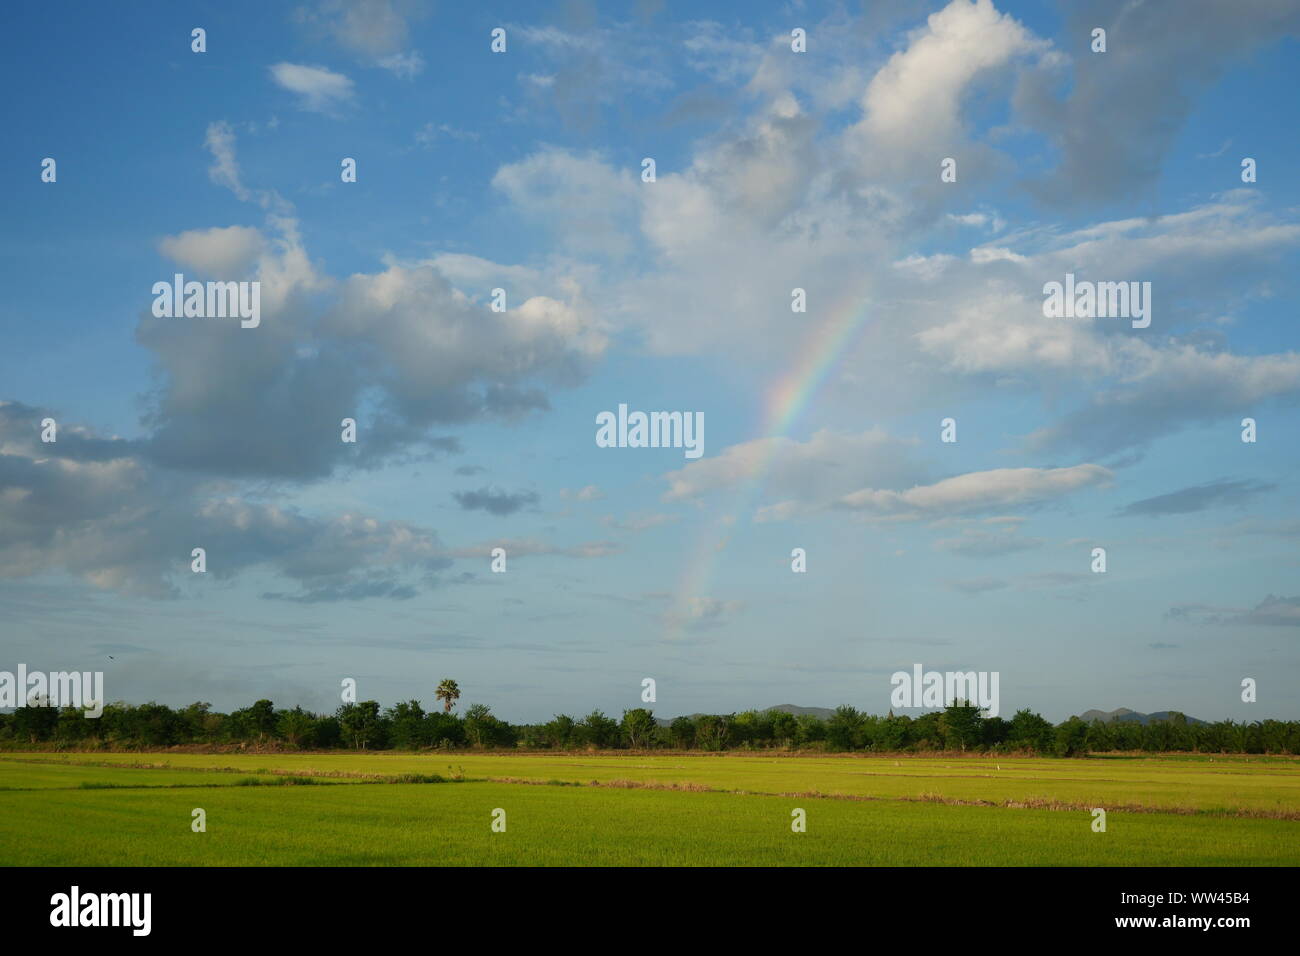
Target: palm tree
(448, 693)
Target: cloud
(1275, 612)
(781, 198)
(220, 142)
(976, 585)
(979, 490)
(1138, 387)
(319, 90)
(221, 253)
(95, 508)
(1123, 110)
(402, 350)
(406, 65)
(589, 67)
(701, 613)
(855, 472)
(442, 356)
(1169, 389)
(377, 32)
(1272, 611)
(987, 542)
(351, 591)
(224, 171)
(1286, 528)
(637, 523)
(544, 188)
(828, 464)
(1198, 498)
(725, 53)
(916, 101)
(495, 501)
(429, 134)
(1217, 153)
(787, 196)
(586, 493)
(531, 547)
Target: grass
(567, 809)
(1241, 785)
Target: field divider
(1009, 804)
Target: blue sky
(775, 170)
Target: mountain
(1124, 716)
(823, 712)
(1119, 715)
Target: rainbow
(791, 396)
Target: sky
(775, 169)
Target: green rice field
(645, 810)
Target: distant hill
(1123, 715)
(1119, 715)
(823, 712)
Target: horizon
(581, 711)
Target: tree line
(408, 726)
